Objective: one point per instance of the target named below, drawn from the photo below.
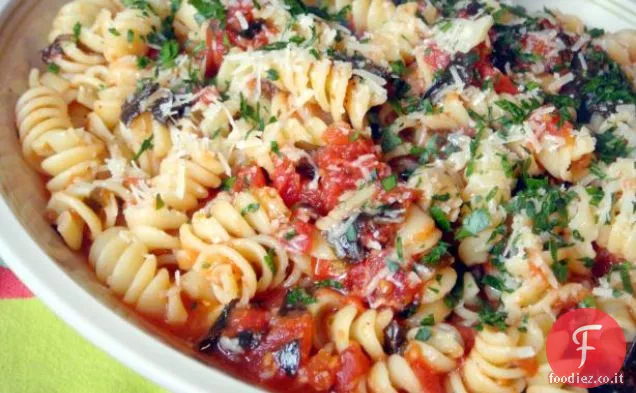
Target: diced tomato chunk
(254, 36)
(397, 292)
(603, 261)
(247, 319)
(324, 269)
(501, 82)
(430, 380)
(215, 49)
(436, 58)
(249, 177)
(298, 237)
(287, 181)
(468, 336)
(321, 370)
(354, 365)
(285, 329)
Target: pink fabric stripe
(11, 287)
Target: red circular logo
(586, 348)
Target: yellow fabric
(41, 354)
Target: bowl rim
(103, 327)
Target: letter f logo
(583, 345)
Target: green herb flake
(168, 53)
(251, 208)
(275, 148)
(495, 283)
(269, 261)
(146, 144)
(272, 74)
(290, 234)
(329, 284)
(389, 141)
(398, 67)
(77, 30)
(389, 182)
(209, 9)
(393, 266)
(440, 218)
(475, 222)
(428, 320)
(488, 316)
(399, 248)
(298, 297)
(423, 334)
(159, 203)
(560, 270)
(53, 68)
(228, 184)
(587, 302)
(436, 254)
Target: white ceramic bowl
(60, 277)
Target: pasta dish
(345, 195)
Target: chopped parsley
(228, 184)
(488, 316)
(209, 9)
(389, 182)
(610, 147)
(251, 113)
(290, 234)
(272, 74)
(428, 320)
(596, 195)
(77, 30)
(399, 248)
(274, 146)
(587, 302)
(440, 218)
(146, 144)
(436, 254)
(130, 36)
(298, 297)
(269, 261)
(560, 270)
(423, 334)
(623, 269)
(328, 284)
(159, 203)
(398, 67)
(251, 208)
(517, 113)
(168, 53)
(389, 141)
(495, 283)
(475, 222)
(53, 68)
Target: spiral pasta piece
(237, 269)
(90, 15)
(438, 182)
(244, 214)
(493, 365)
(129, 30)
(40, 111)
(366, 328)
(155, 226)
(122, 262)
(182, 182)
(334, 85)
(537, 329)
(71, 215)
